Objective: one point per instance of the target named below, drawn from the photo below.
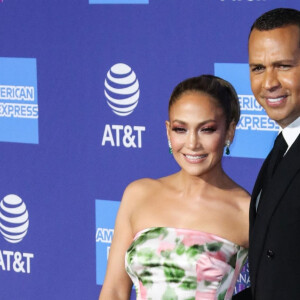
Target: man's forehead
(276, 33)
(283, 41)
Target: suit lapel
(252, 215)
(285, 172)
(256, 190)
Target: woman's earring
(227, 144)
(170, 147)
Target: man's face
(274, 60)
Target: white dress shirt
(291, 132)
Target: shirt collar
(291, 132)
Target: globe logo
(121, 89)
(14, 220)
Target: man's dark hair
(277, 18)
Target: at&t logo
(14, 220)
(121, 89)
(14, 224)
(122, 92)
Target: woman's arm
(117, 284)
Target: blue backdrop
(66, 155)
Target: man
(274, 253)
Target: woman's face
(197, 132)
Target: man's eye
(284, 67)
(257, 69)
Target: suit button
(270, 254)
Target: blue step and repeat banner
(84, 88)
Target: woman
(185, 236)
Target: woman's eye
(208, 129)
(179, 129)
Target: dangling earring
(227, 144)
(170, 147)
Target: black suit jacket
(274, 253)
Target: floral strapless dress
(181, 264)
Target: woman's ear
(168, 129)
(231, 131)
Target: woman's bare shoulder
(141, 189)
(142, 185)
(145, 188)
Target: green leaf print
(147, 256)
(222, 295)
(207, 283)
(149, 234)
(189, 283)
(242, 256)
(232, 261)
(166, 253)
(144, 277)
(131, 254)
(173, 273)
(194, 250)
(169, 294)
(146, 282)
(243, 253)
(145, 273)
(180, 249)
(156, 232)
(225, 277)
(132, 247)
(214, 246)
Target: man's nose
(270, 80)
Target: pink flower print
(219, 255)
(165, 246)
(194, 237)
(207, 295)
(210, 269)
(143, 291)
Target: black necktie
(279, 148)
